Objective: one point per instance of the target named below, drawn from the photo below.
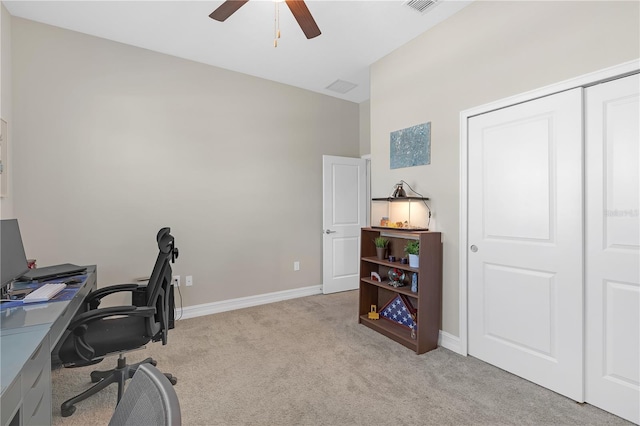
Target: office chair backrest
(149, 400)
(157, 291)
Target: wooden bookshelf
(427, 300)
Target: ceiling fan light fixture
(298, 8)
(276, 22)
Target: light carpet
(307, 361)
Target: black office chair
(149, 400)
(98, 332)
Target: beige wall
(6, 203)
(114, 142)
(365, 127)
(488, 51)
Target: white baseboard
(246, 302)
(451, 342)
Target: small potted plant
(412, 248)
(381, 246)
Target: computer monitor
(13, 259)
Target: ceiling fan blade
(227, 9)
(303, 16)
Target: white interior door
(525, 296)
(344, 213)
(612, 287)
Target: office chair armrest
(94, 298)
(98, 314)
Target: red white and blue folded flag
(400, 311)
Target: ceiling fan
(297, 7)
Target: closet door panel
(612, 253)
(525, 235)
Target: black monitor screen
(13, 258)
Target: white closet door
(613, 247)
(525, 237)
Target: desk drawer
(36, 406)
(10, 402)
(36, 385)
(43, 417)
(40, 360)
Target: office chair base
(96, 376)
(172, 379)
(66, 412)
(102, 379)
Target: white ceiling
(355, 34)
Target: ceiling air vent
(341, 86)
(421, 6)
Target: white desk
(27, 335)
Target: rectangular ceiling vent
(341, 86)
(421, 6)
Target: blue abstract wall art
(411, 146)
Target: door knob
(474, 248)
(329, 231)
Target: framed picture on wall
(410, 147)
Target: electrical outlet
(189, 280)
(176, 280)
(296, 266)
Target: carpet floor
(307, 361)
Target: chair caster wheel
(172, 379)
(153, 362)
(67, 411)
